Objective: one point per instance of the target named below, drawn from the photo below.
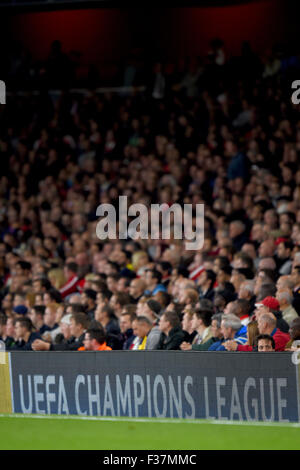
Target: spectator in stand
(88, 300)
(285, 298)
(36, 315)
(8, 340)
(143, 327)
(272, 305)
(206, 283)
(126, 321)
(136, 289)
(25, 337)
(294, 332)
(265, 343)
(78, 326)
(171, 333)
(201, 324)
(94, 340)
(72, 283)
(153, 280)
(295, 277)
(231, 328)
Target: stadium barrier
(207, 385)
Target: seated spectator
(72, 283)
(217, 335)
(201, 324)
(118, 301)
(142, 327)
(294, 332)
(171, 333)
(187, 324)
(94, 340)
(24, 335)
(78, 326)
(232, 328)
(285, 298)
(126, 329)
(8, 340)
(265, 343)
(50, 323)
(36, 315)
(206, 282)
(252, 332)
(153, 280)
(295, 277)
(88, 300)
(241, 308)
(272, 305)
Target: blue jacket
(240, 337)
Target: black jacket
(22, 346)
(71, 344)
(171, 342)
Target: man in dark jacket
(171, 332)
(24, 334)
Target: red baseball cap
(271, 302)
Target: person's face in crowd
(88, 342)
(266, 249)
(10, 328)
(75, 328)
(226, 331)
(136, 288)
(164, 325)
(38, 299)
(46, 299)
(259, 311)
(7, 302)
(59, 313)
(229, 308)
(49, 317)
(65, 330)
(20, 331)
(142, 329)
(294, 330)
(18, 300)
(112, 284)
(121, 287)
(196, 322)
(282, 252)
(265, 345)
(295, 277)
(37, 286)
(249, 249)
(186, 322)
(125, 323)
(216, 331)
(257, 233)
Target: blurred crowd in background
(222, 131)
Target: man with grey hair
(285, 298)
(267, 326)
(232, 329)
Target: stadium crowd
(194, 136)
